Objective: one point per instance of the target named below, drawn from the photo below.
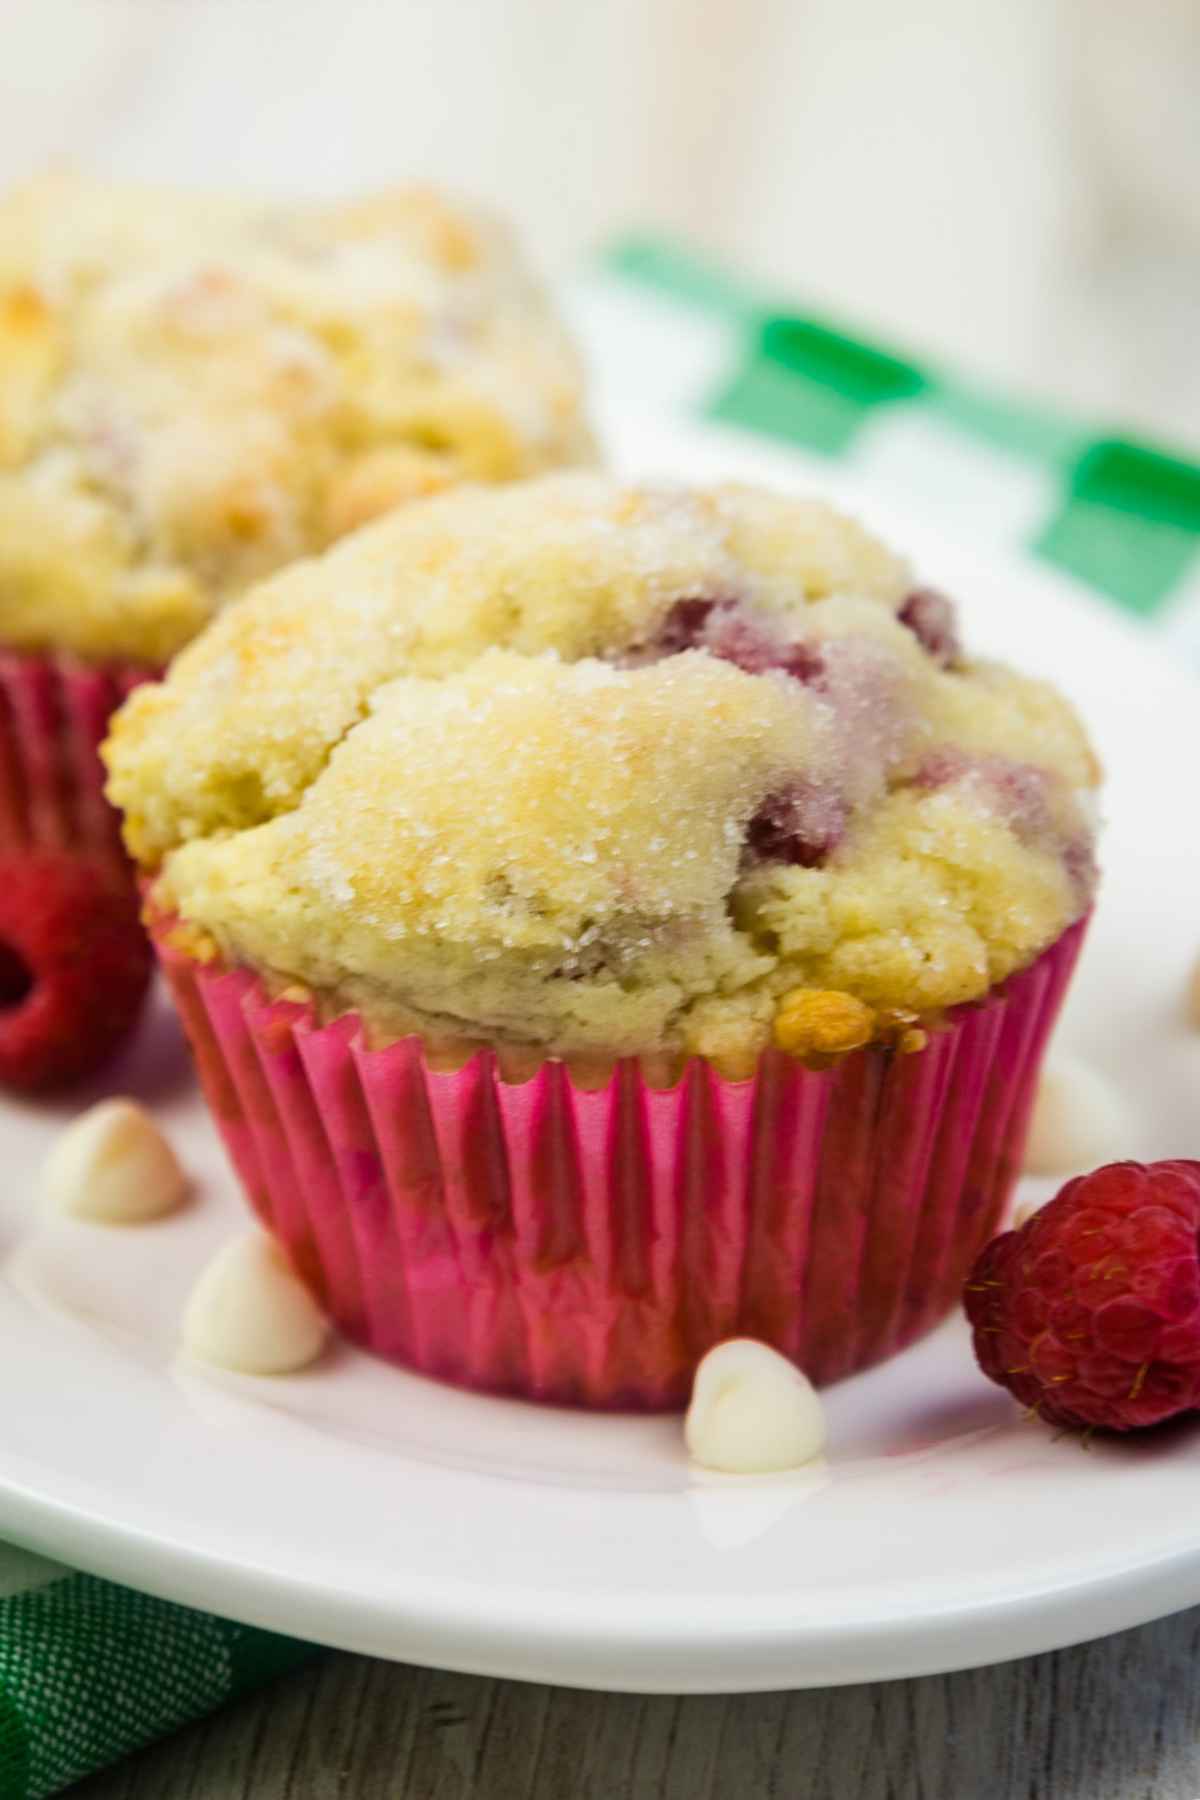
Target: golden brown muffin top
(196, 390)
(613, 770)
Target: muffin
(609, 920)
(196, 390)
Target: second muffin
(196, 390)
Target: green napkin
(1120, 515)
(89, 1671)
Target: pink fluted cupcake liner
(54, 713)
(588, 1246)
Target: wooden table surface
(1118, 1719)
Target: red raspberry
(74, 966)
(1091, 1311)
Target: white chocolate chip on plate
(1080, 1120)
(752, 1411)
(251, 1313)
(113, 1166)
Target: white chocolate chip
(113, 1166)
(752, 1411)
(1080, 1119)
(249, 1312)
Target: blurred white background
(1012, 184)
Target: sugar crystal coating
(605, 769)
(197, 389)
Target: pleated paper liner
(54, 713)
(587, 1246)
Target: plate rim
(618, 1654)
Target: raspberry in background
(75, 966)
(1090, 1313)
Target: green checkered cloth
(88, 1671)
(1121, 516)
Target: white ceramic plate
(384, 1513)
